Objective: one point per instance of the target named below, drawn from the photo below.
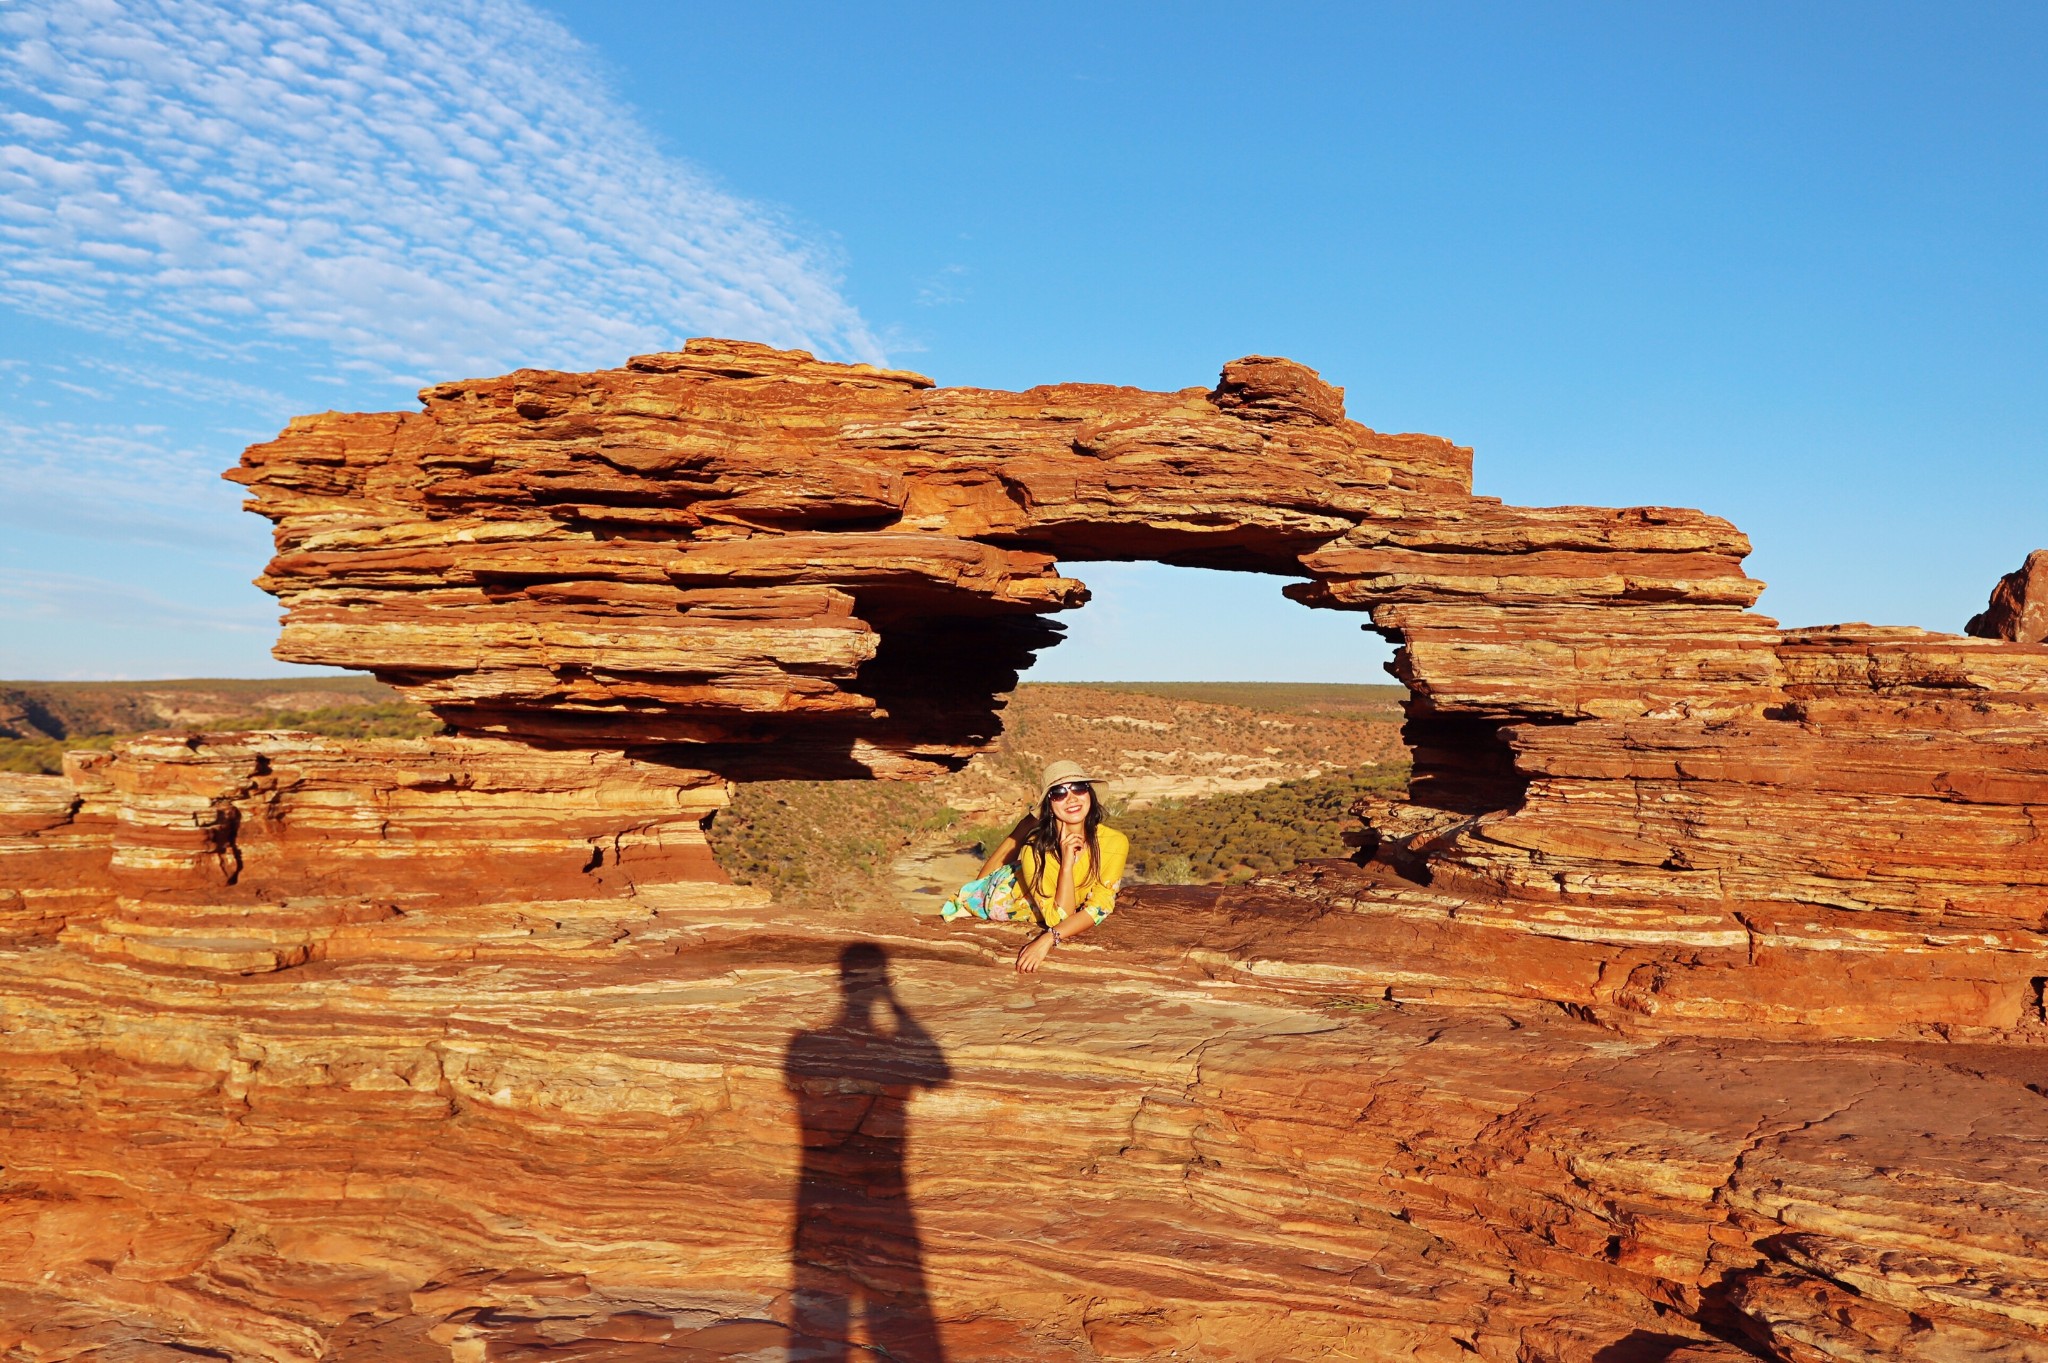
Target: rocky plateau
(1688, 1007)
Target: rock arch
(757, 560)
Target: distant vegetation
(1349, 699)
(45, 756)
(1232, 838)
(40, 709)
(41, 721)
(824, 843)
(398, 720)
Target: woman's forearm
(1074, 916)
(1033, 953)
(1074, 924)
(1063, 893)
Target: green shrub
(45, 756)
(1232, 838)
(986, 837)
(821, 844)
(392, 719)
(398, 719)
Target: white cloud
(132, 454)
(191, 386)
(123, 482)
(944, 287)
(398, 190)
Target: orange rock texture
(758, 561)
(1689, 1007)
(2019, 605)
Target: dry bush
(1232, 838)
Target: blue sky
(1781, 262)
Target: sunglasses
(1066, 788)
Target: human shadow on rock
(1649, 1346)
(854, 1250)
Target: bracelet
(1057, 940)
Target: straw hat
(1060, 772)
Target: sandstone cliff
(1689, 1006)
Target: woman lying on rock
(1057, 860)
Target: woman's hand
(1073, 841)
(1033, 953)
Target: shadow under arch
(854, 1246)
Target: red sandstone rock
(2019, 605)
(749, 552)
(55, 839)
(260, 851)
(338, 1159)
(1691, 1009)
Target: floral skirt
(998, 896)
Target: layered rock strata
(1687, 1008)
(1860, 854)
(612, 1155)
(2019, 605)
(248, 852)
(787, 567)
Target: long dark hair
(1044, 838)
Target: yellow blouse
(1096, 894)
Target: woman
(1059, 867)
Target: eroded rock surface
(1175, 1142)
(1689, 1007)
(762, 558)
(2019, 605)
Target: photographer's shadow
(855, 1246)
